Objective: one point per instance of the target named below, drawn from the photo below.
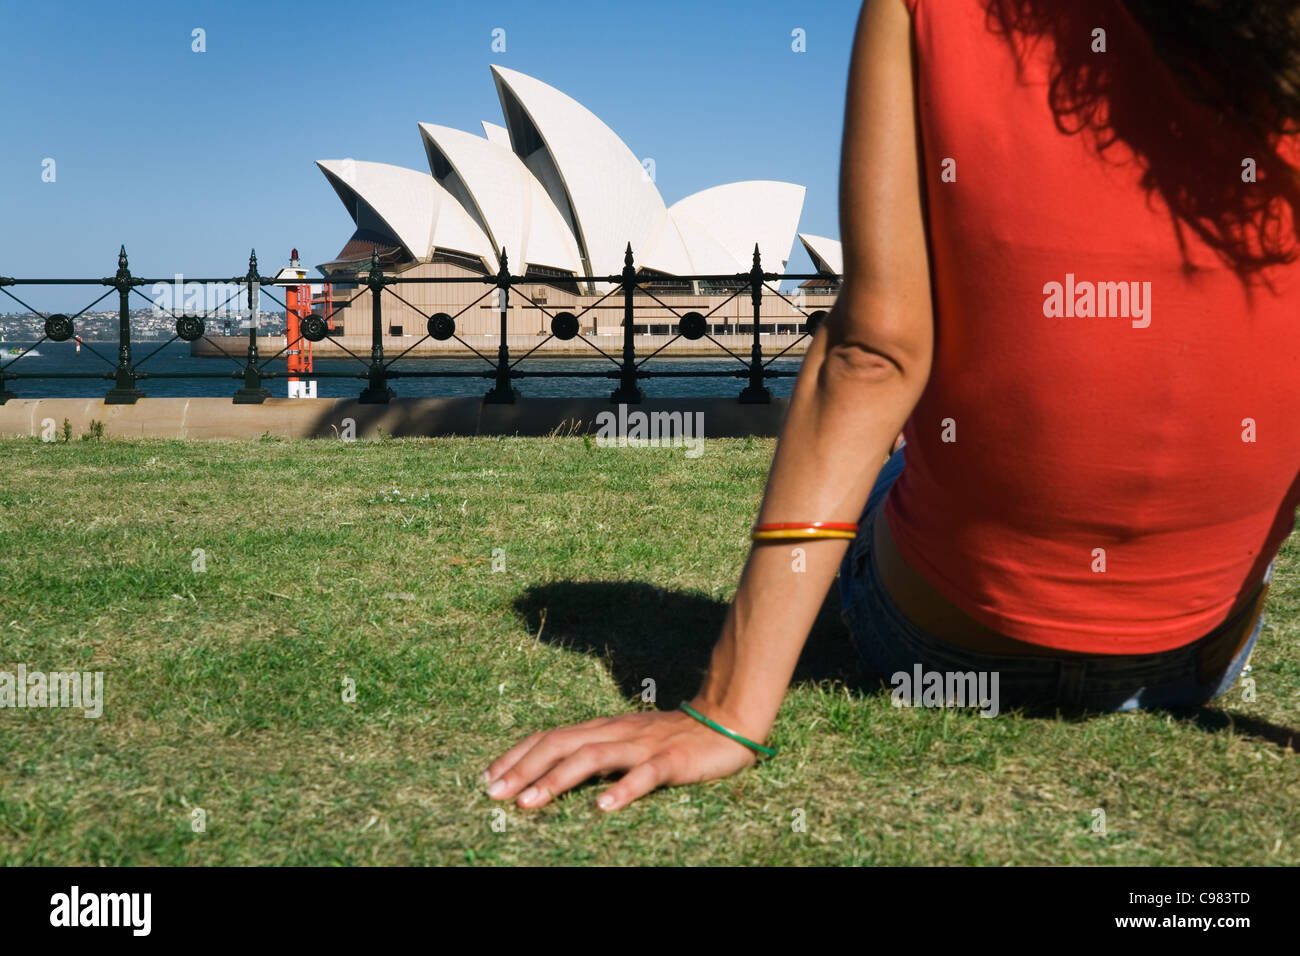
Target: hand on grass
(653, 749)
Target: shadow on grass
(649, 632)
(645, 631)
(1210, 718)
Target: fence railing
(252, 369)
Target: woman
(1068, 280)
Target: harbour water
(174, 359)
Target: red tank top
(1105, 457)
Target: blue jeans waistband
(896, 650)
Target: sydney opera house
(563, 196)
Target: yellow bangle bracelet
(804, 534)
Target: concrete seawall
(219, 418)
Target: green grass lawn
(374, 562)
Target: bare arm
(859, 382)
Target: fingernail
(497, 788)
(485, 777)
(529, 795)
(604, 801)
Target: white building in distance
(563, 196)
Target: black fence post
(123, 391)
(5, 394)
(756, 393)
(502, 393)
(376, 391)
(627, 392)
(253, 393)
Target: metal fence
(378, 371)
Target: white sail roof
(741, 214)
(827, 254)
(506, 199)
(497, 134)
(557, 188)
(418, 212)
(591, 175)
(708, 256)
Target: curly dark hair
(1223, 76)
(1239, 57)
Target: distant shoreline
(663, 346)
(536, 346)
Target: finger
(507, 760)
(511, 756)
(545, 754)
(636, 783)
(587, 761)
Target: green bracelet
(714, 725)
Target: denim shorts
(895, 650)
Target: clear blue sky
(191, 159)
